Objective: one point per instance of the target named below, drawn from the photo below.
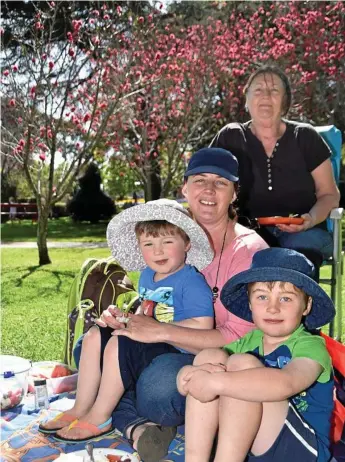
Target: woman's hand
(108, 318)
(307, 224)
(141, 328)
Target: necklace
(215, 290)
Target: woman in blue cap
(269, 394)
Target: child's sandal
(64, 416)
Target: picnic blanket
(22, 442)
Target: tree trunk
(42, 232)
(153, 187)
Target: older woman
(209, 188)
(285, 167)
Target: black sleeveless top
(280, 185)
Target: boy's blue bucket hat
(278, 264)
(213, 160)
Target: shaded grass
(34, 300)
(61, 229)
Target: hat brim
(123, 242)
(234, 294)
(212, 169)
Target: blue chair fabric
(333, 138)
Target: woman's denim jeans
(317, 239)
(155, 398)
(315, 243)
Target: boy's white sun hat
(123, 242)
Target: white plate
(105, 451)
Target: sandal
(153, 444)
(65, 416)
(95, 430)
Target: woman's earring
(246, 108)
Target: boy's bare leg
(109, 394)
(89, 377)
(273, 419)
(202, 418)
(247, 426)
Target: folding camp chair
(332, 136)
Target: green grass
(62, 229)
(34, 300)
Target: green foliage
(119, 178)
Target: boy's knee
(92, 335)
(112, 347)
(241, 361)
(211, 355)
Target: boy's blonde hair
(157, 228)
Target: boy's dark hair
(271, 284)
(273, 70)
(157, 228)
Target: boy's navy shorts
(296, 442)
(133, 356)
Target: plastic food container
(60, 377)
(14, 372)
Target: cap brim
(234, 294)
(212, 169)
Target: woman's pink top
(236, 257)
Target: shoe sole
(154, 443)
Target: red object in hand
(280, 220)
(147, 307)
(60, 371)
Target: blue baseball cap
(213, 160)
(278, 264)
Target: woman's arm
(327, 197)
(147, 330)
(327, 193)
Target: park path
(54, 245)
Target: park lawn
(34, 300)
(61, 229)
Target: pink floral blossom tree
(60, 95)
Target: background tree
(55, 79)
(147, 89)
(89, 202)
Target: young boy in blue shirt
(270, 393)
(161, 240)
